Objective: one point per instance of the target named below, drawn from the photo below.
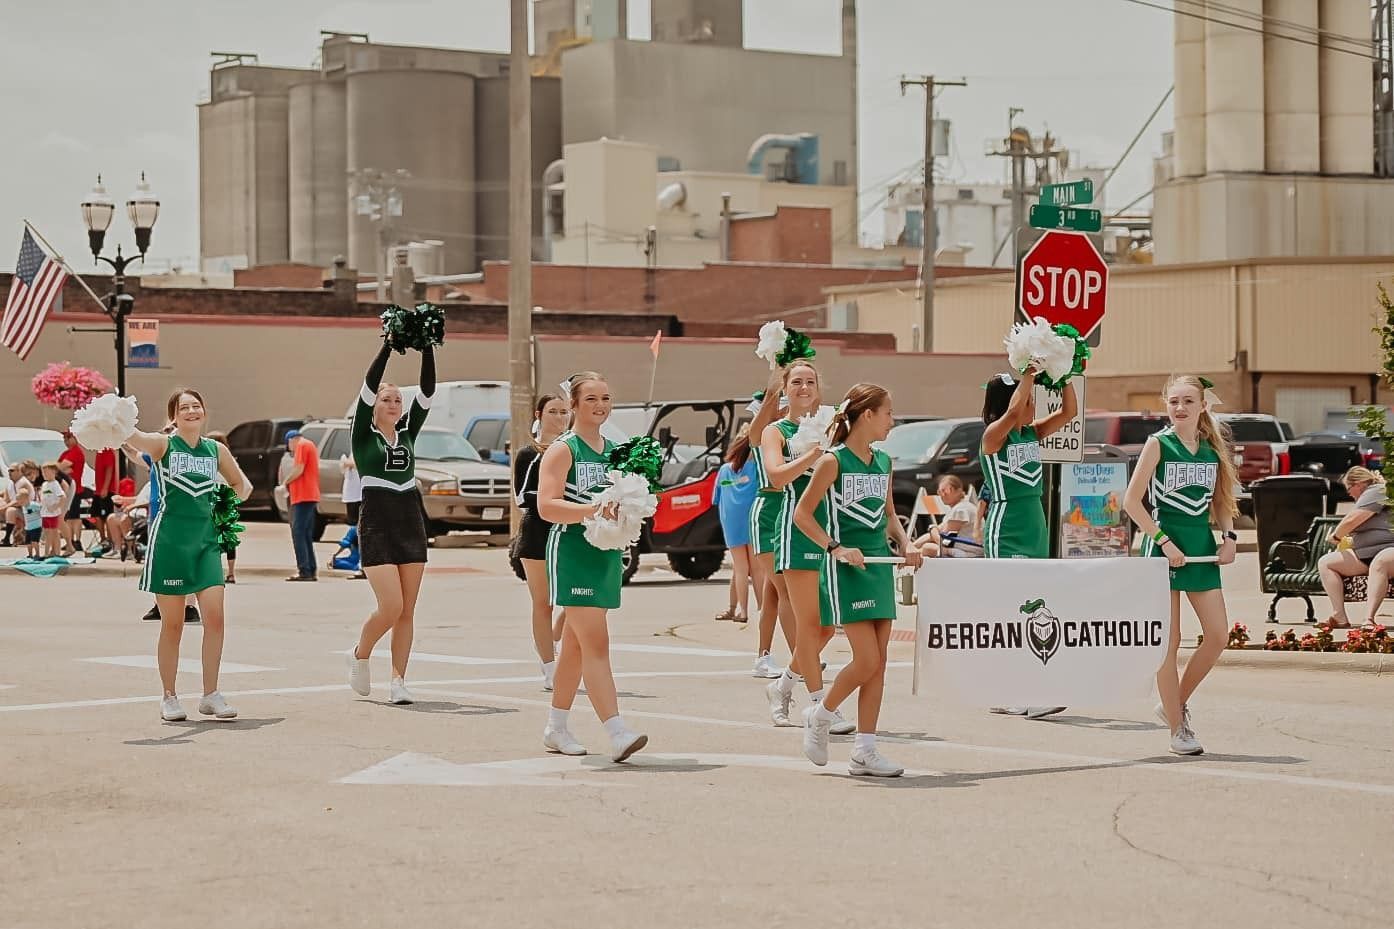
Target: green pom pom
(1082, 353)
(797, 345)
(417, 329)
(225, 517)
(642, 455)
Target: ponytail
(860, 398)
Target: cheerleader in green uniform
(853, 481)
(1015, 526)
(1188, 468)
(797, 559)
(183, 556)
(765, 513)
(584, 579)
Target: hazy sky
(112, 87)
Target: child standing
(734, 495)
(27, 499)
(53, 503)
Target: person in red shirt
(77, 462)
(105, 468)
(302, 485)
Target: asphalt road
(319, 808)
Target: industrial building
(1275, 151)
(386, 144)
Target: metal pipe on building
(1292, 102)
(520, 308)
(1234, 136)
(725, 227)
(1347, 111)
(1189, 63)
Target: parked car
(923, 452)
(460, 489)
(488, 433)
(18, 443)
(1260, 450)
(258, 446)
(1125, 431)
(1331, 455)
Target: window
(839, 173)
(286, 426)
(487, 434)
(337, 445)
(241, 436)
(258, 435)
(314, 433)
(965, 193)
(1135, 430)
(1096, 431)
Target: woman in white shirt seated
(950, 539)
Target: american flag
(37, 284)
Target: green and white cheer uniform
(794, 551)
(1015, 526)
(184, 557)
(765, 513)
(578, 573)
(1182, 487)
(856, 508)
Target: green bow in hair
(1032, 607)
(1206, 383)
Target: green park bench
(1291, 570)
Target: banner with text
(1041, 632)
(142, 343)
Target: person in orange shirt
(302, 485)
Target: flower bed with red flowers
(1371, 638)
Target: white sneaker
(1008, 710)
(561, 741)
(398, 693)
(1183, 742)
(780, 704)
(815, 736)
(873, 764)
(359, 678)
(626, 743)
(1041, 712)
(764, 669)
(842, 725)
(214, 705)
(549, 674)
(171, 711)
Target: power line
(1260, 30)
(1286, 23)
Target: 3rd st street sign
(1063, 279)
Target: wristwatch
(833, 545)
(1230, 534)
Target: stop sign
(1063, 279)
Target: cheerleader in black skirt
(392, 519)
(550, 419)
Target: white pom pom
(630, 493)
(771, 342)
(106, 422)
(1036, 344)
(812, 431)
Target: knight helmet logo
(1043, 632)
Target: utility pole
(520, 373)
(930, 234)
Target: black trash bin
(1284, 507)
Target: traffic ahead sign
(1063, 279)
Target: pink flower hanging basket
(66, 387)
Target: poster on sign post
(142, 343)
(1092, 521)
(1041, 632)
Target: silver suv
(460, 489)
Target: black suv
(922, 452)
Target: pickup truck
(258, 446)
(1331, 455)
(1261, 449)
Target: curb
(1359, 662)
(111, 568)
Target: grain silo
(318, 189)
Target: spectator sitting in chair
(10, 513)
(961, 521)
(1371, 550)
(121, 523)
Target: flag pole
(64, 262)
(653, 369)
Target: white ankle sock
(786, 682)
(557, 718)
(816, 697)
(865, 743)
(549, 667)
(823, 713)
(614, 726)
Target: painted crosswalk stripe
(186, 665)
(447, 659)
(683, 650)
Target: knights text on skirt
(392, 527)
